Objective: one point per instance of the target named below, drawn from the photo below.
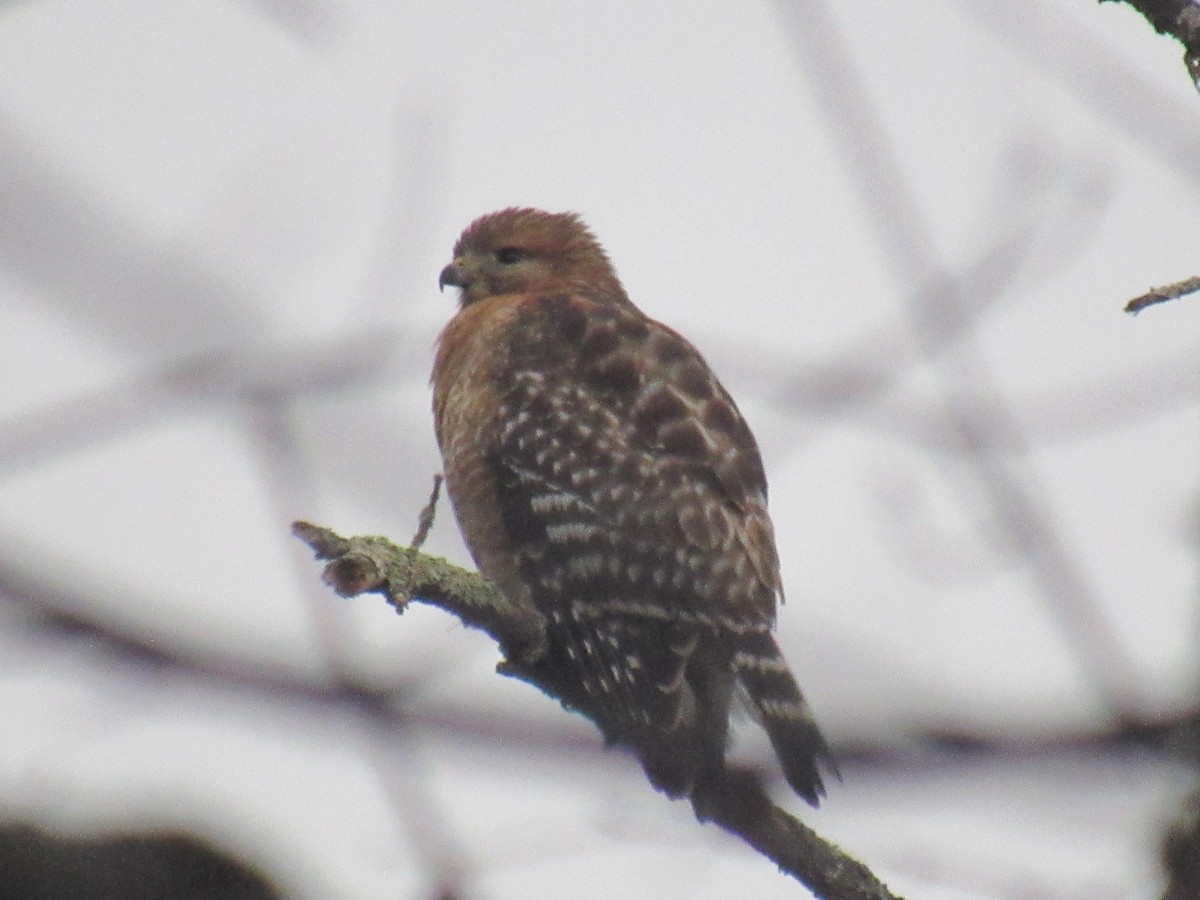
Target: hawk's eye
(507, 256)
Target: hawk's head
(524, 251)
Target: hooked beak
(452, 275)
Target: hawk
(602, 475)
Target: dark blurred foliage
(1181, 854)
(38, 865)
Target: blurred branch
(741, 805)
(989, 438)
(314, 21)
(237, 374)
(1117, 92)
(396, 760)
(38, 603)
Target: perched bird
(603, 476)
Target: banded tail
(776, 701)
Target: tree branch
(1178, 18)
(739, 804)
(1172, 291)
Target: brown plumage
(601, 474)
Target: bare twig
(1172, 291)
(425, 520)
(739, 804)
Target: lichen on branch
(741, 804)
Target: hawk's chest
(494, 353)
(472, 351)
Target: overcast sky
(902, 234)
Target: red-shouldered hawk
(602, 474)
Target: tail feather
(776, 700)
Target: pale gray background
(902, 233)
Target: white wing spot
(572, 532)
(743, 660)
(547, 503)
